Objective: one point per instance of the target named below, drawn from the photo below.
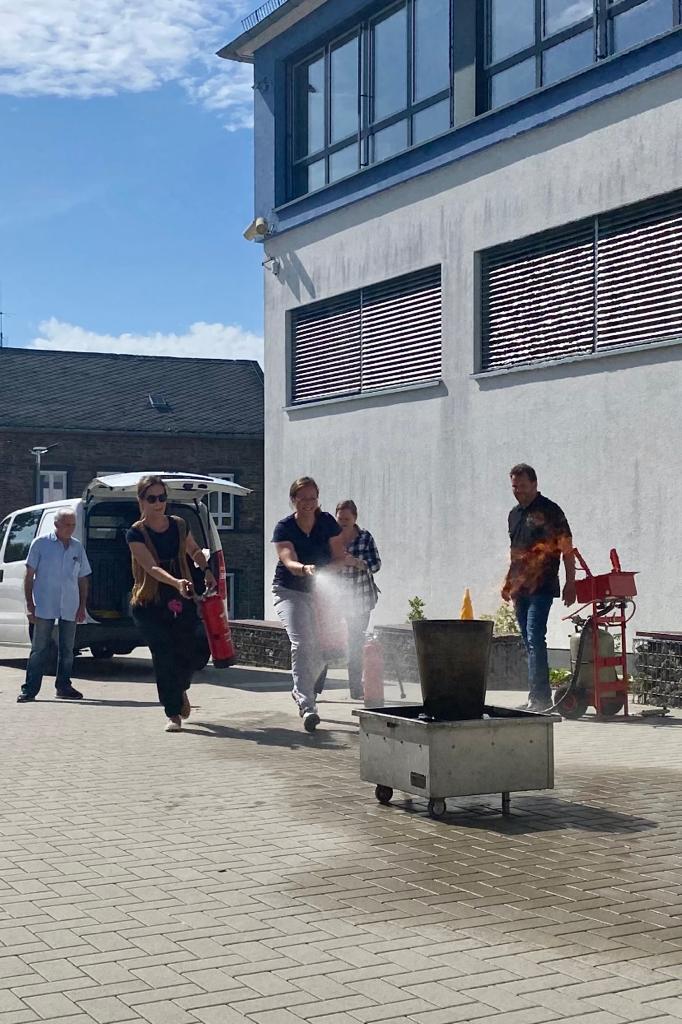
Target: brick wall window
(230, 579)
(609, 281)
(53, 485)
(221, 506)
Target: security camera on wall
(257, 230)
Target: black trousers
(172, 642)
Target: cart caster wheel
(610, 706)
(571, 705)
(384, 794)
(437, 808)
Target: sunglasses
(153, 498)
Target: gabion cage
(658, 669)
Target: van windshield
(107, 523)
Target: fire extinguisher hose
(575, 676)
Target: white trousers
(297, 613)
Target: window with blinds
(611, 281)
(378, 338)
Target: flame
(528, 566)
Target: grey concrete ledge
(587, 357)
(362, 395)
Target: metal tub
(508, 751)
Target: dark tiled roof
(92, 391)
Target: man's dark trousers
(532, 612)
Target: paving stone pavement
(242, 872)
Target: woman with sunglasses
(162, 605)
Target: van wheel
(101, 651)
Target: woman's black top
(311, 548)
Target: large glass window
(344, 65)
(389, 64)
(637, 24)
(388, 84)
(431, 48)
(373, 93)
(531, 43)
(512, 27)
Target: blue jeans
(42, 635)
(532, 613)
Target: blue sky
(126, 179)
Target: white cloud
(84, 48)
(200, 341)
(229, 91)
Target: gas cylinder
(214, 617)
(607, 674)
(373, 672)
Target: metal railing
(262, 12)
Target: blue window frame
(380, 88)
(532, 43)
(387, 84)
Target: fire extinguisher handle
(581, 561)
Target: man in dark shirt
(540, 535)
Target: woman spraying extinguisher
(305, 541)
(162, 600)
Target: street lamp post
(37, 452)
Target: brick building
(116, 413)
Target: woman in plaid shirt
(361, 563)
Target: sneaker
(186, 708)
(68, 693)
(538, 707)
(25, 698)
(174, 724)
(311, 719)
(357, 695)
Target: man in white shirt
(55, 588)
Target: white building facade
(474, 259)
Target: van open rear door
(180, 486)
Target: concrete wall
(429, 469)
(82, 455)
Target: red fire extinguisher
(214, 617)
(373, 672)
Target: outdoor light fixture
(257, 230)
(272, 264)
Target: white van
(104, 513)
